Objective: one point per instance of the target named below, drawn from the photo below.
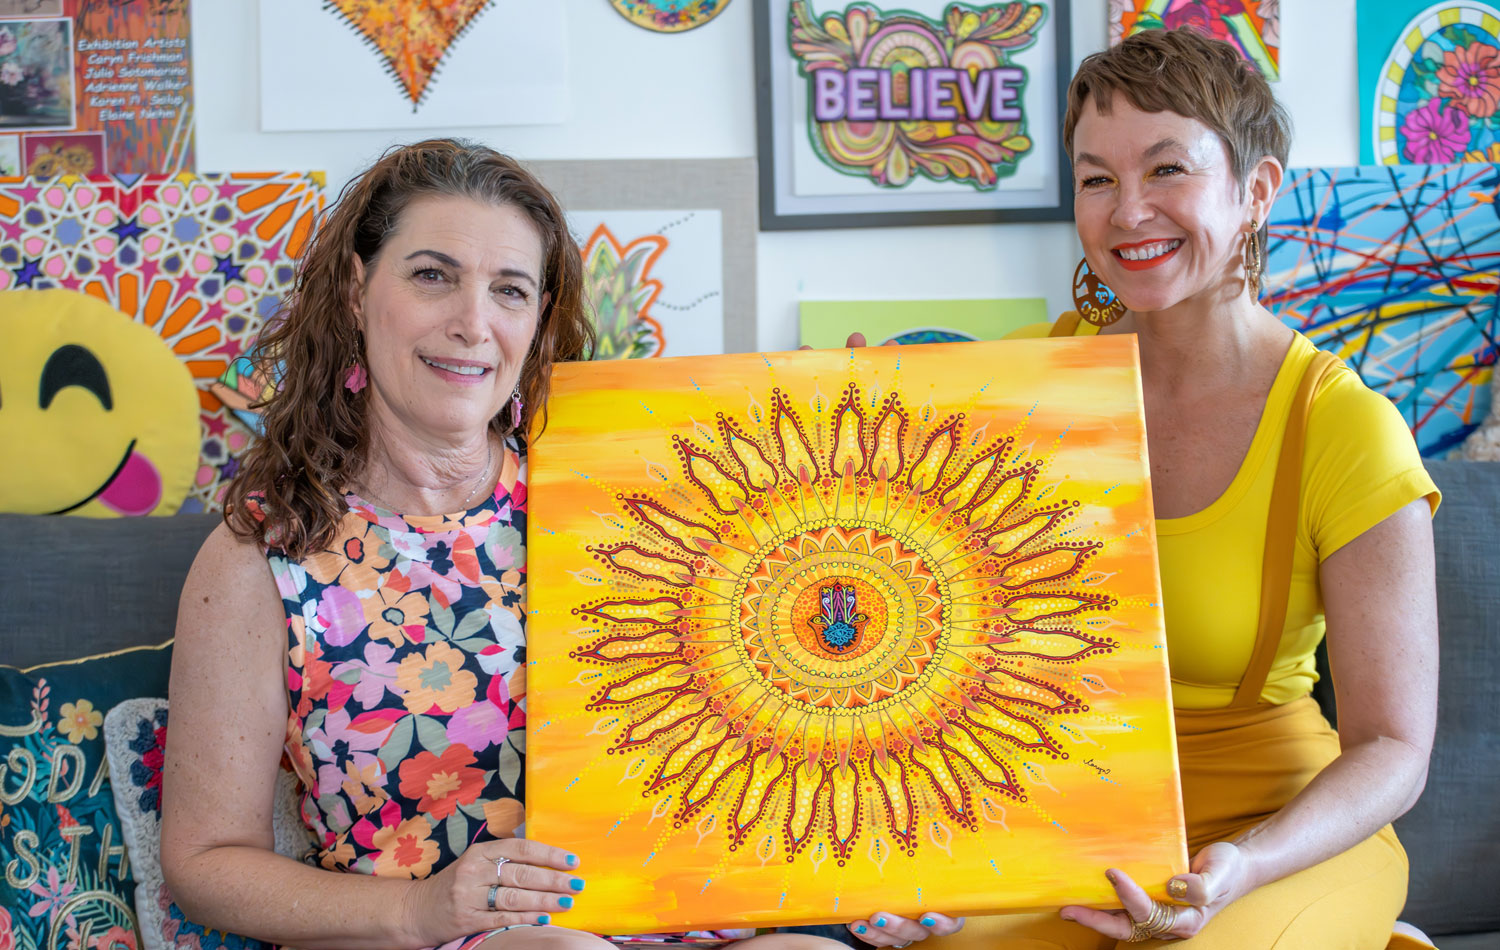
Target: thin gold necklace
(489, 460)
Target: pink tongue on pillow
(135, 490)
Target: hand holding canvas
(1219, 876)
(890, 930)
(532, 883)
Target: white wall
(638, 94)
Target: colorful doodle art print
(36, 74)
(1251, 26)
(1429, 81)
(128, 77)
(411, 64)
(937, 113)
(653, 281)
(202, 260)
(893, 96)
(818, 633)
(1394, 269)
(669, 16)
(826, 324)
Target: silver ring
(499, 863)
(900, 945)
(489, 900)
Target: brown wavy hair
(316, 430)
(1193, 75)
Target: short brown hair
(1193, 75)
(316, 430)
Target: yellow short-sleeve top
(1360, 466)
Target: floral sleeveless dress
(406, 674)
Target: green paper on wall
(826, 324)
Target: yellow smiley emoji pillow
(97, 416)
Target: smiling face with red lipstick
(448, 310)
(1160, 213)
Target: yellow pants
(1238, 768)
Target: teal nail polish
(566, 903)
(544, 920)
(572, 860)
(861, 929)
(880, 921)
(928, 922)
(576, 883)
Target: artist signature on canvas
(1096, 766)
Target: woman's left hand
(889, 930)
(1220, 875)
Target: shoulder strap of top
(1066, 325)
(1281, 534)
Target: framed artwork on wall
(923, 112)
(669, 251)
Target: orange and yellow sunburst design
(774, 629)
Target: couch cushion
(61, 844)
(1453, 833)
(82, 586)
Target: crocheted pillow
(135, 736)
(66, 880)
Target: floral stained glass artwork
(204, 260)
(1251, 26)
(816, 633)
(1436, 98)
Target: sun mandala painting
(818, 634)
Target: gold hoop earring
(1254, 261)
(1095, 301)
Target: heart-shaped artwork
(412, 36)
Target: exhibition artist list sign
(107, 90)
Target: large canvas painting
(203, 260)
(1393, 268)
(815, 634)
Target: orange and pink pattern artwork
(818, 634)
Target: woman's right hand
(534, 883)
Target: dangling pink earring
(515, 407)
(355, 378)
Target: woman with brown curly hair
(361, 612)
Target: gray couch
(81, 587)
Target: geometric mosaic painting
(1395, 269)
(815, 634)
(204, 260)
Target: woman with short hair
(1290, 501)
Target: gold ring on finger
(489, 900)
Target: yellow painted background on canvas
(930, 614)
